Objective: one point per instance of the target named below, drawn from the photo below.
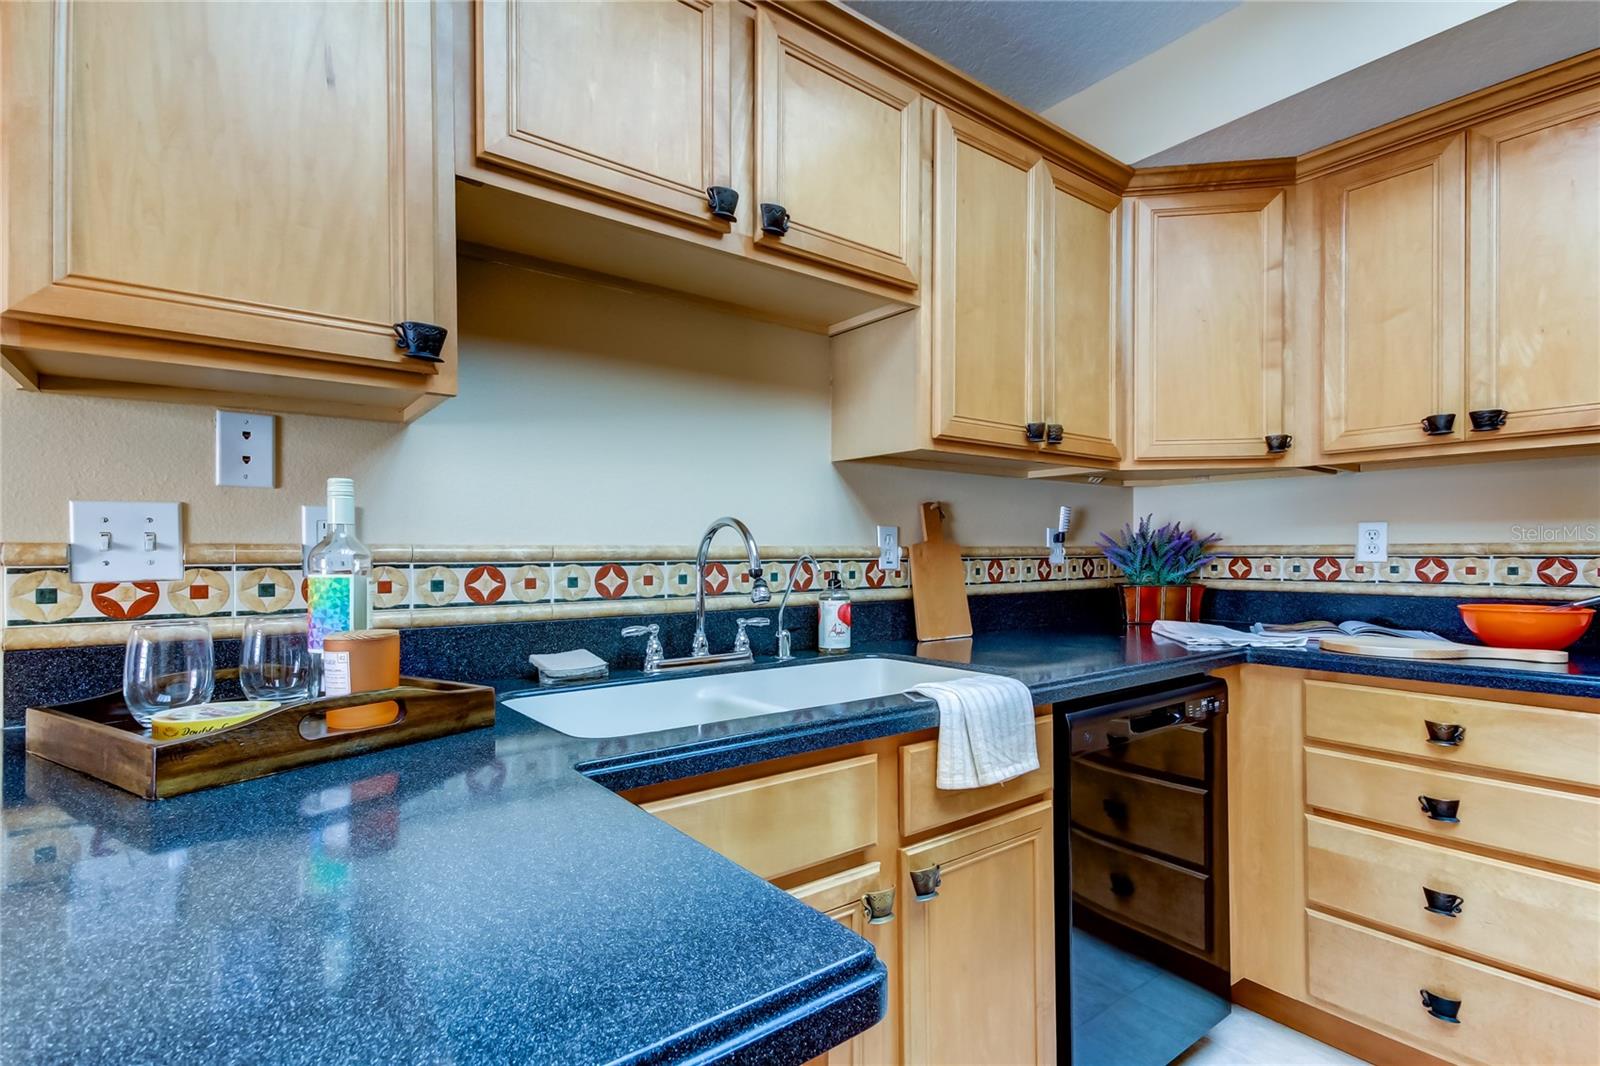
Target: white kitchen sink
(701, 699)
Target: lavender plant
(1168, 555)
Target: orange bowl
(1525, 625)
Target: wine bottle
(338, 575)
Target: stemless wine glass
(168, 664)
(274, 663)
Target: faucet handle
(741, 643)
(653, 653)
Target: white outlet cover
(1058, 550)
(247, 449)
(129, 555)
(1372, 542)
(313, 527)
(889, 547)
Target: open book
(1316, 630)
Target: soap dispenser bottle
(833, 617)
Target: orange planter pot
(1143, 604)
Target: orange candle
(363, 660)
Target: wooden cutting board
(1412, 648)
(938, 581)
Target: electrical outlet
(888, 547)
(313, 527)
(112, 541)
(1056, 539)
(246, 449)
(1372, 542)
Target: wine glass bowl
(167, 665)
(274, 660)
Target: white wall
(1473, 503)
(587, 415)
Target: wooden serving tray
(98, 736)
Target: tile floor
(1245, 1038)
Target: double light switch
(112, 540)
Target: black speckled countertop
(485, 897)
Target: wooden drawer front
(1521, 819)
(1538, 741)
(1540, 922)
(1503, 1018)
(924, 806)
(1158, 815)
(776, 825)
(1159, 896)
(1179, 752)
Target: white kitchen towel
(985, 730)
(1201, 635)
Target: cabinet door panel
(627, 101)
(979, 958)
(839, 147)
(1535, 266)
(1079, 309)
(1208, 324)
(1394, 274)
(986, 386)
(840, 898)
(247, 175)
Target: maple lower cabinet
(623, 102)
(986, 369)
(841, 897)
(971, 964)
(1208, 324)
(991, 927)
(1534, 341)
(226, 203)
(838, 157)
(1394, 312)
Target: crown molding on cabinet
(1557, 79)
(949, 87)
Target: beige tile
(267, 554)
(209, 554)
(1245, 1038)
(26, 553)
(481, 553)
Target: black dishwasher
(1142, 877)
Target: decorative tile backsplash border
(422, 585)
(1492, 571)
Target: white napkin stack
(1202, 635)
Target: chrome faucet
(700, 651)
(759, 593)
(784, 653)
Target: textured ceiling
(1039, 52)
(1474, 55)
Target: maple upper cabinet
(1393, 281)
(1534, 290)
(624, 102)
(1078, 314)
(1208, 324)
(226, 203)
(986, 372)
(838, 155)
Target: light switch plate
(247, 449)
(888, 547)
(111, 540)
(1372, 542)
